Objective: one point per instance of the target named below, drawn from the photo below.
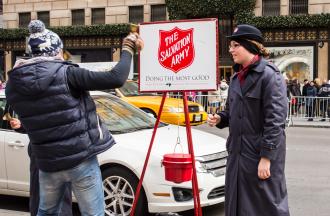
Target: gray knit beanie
(43, 42)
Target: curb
(309, 125)
(299, 122)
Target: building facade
(1, 51)
(18, 13)
(1, 14)
(299, 53)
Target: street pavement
(307, 170)
(302, 122)
(12, 213)
(307, 173)
(13, 206)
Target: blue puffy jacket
(64, 130)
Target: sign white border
(201, 75)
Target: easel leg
(138, 189)
(198, 209)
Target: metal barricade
(309, 108)
(299, 107)
(211, 103)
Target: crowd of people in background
(313, 95)
(212, 101)
(217, 98)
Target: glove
(132, 42)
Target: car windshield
(131, 89)
(121, 117)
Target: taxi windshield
(121, 117)
(132, 89)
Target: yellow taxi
(173, 111)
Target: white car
(122, 164)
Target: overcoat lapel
(236, 85)
(250, 80)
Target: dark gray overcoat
(256, 113)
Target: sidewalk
(4, 212)
(301, 122)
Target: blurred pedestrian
(2, 82)
(224, 89)
(55, 108)
(324, 93)
(213, 100)
(223, 93)
(255, 112)
(318, 83)
(304, 89)
(296, 100)
(311, 93)
(66, 208)
(191, 95)
(288, 94)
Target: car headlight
(199, 167)
(174, 109)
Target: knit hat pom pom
(36, 26)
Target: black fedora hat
(245, 31)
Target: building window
(78, 17)
(226, 72)
(298, 6)
(98, 16)
(271, 7)
(136, 14)
(44, 17)
(158, 12)
(225, 29)
(1, 7)
(24, 19)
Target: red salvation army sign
(176, 49)
(179, 56)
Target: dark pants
(310, 107)
(34, 191)
(310, 111)
(325, 108)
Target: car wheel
(149, 111)
(119, 190)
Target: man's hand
(133, 42)
(264, 168)
(139, 42)
(15, 123)
(213, 119)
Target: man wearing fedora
(255, 112)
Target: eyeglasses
(234, 46)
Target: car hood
(166, 138)
(156, 100)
